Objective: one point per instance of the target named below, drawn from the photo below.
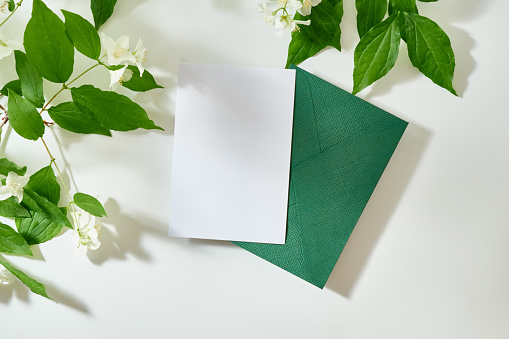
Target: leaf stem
(54, 163)
(14, 11)
(79, 76)
(66, 86)
(53, 98)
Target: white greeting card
(231, 157)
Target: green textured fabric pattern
(341, 145)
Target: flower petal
(5, 193)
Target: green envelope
(341, 145)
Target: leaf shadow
(379, 210)
(65, 298)
(7, 292)
(123, 234)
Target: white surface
(231, 158)
(428, 258)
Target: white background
(428, 258)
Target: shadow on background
(123, 234)
(378, 211)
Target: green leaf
(14, 85)
(429, 49)
(369, 14)
(11, 208)
(24, 118)
(69, 117)
(30, 80)
(408, 6)
(7, 166)
(83, 35)
(112, 110)
(376, 53)
(32, 284)
(45, 207)
(12, 243)
(139, 83)
(44, 182)
(302, 47)
(47, 45)
(325, 19)
(12, 5)
(89, 204)
(37, 229)
(114, 67)
(102, 10)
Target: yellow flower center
(118, 52)
(15, 188)
(4, 8)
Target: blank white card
(231, 156)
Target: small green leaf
(369, 14)
(139, 83)
(24, 118)
(7, 166)
(112, 110)
(44, 182)
(47, 45)
(11, 208)
(45, 207)
(89, 204)
(302, 47)
(12, 243)
(102, 10)
(69, 117)
(12, 5)
(37, 229)
(408, 6)
(30, 80)
(14, 85)
(83, 35)
(114, 67)
(376, 53)
(325, 19)
(429, 49)
(32, 284)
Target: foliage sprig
(33, 202)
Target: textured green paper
(341, 145)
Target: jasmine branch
(14, 11)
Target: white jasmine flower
(270, 16)
(305, 9)
(286, 23)
(139, 56)
(7, 46)
(294, 5)
(117, 51)
(5, 276)
(4, 9)
(13, 186)
(86, 232)
(117, 77)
